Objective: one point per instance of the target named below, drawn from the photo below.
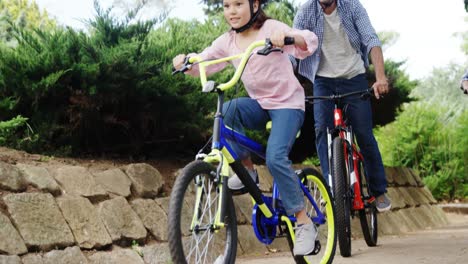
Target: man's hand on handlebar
(380, 87)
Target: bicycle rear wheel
(322, 216)
(193, 207)
(342, 197)
(367, 216)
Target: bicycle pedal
(317, 248)
(371, 200)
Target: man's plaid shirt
(356, 24)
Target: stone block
(416, 177)
(153, 217)
(11, 178)
(385, 226)
(397, 199)
(163, 202)
(117, 256)
(428, 195)
(84, 221)
(76, 180)
(415, 218)
(40, 178)
(249, 242)
(146, 180)
(424, 217)
(120, 220)
(399, 177)
(70, 255)
(39, 220)
(10, 242)
(409, 201)
(10, 259)
(244, 205)
(408, 177)
(418, 195)
(406, 221)
(389, 224)
(265, 178)
(389, 173)
(157, 253)
(399, 224)
(114, 181)
(32, 259)
(439, 215)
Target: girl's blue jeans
(359, 115)
(247, 113)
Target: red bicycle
(348, 178)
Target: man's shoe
(235, 184)
(305, 239)
(383, 203)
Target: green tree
(429, 134)
(22, 14)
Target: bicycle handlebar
(190, 61)
(363, 93)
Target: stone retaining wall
(70, 215)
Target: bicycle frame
(352, 153)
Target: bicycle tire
(367, 216)
(320, 192)
(202, 244)
(342, 197)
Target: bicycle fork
(225, 160)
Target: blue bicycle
(202, 217)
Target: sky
(426, 27)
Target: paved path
(448, 245)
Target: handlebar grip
(288, 41)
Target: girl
(275, 94)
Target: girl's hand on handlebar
(380, 88)
(277, 38)
(280, 39)
(178, 61)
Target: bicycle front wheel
(342, 196)
(367, 216)
(323, 216)
(193, 208)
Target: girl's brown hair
(261, 18)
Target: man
(346, 40)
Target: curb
(455, 208)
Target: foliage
(13, 135)
(430, 135)
(388, 38)
(282, 10)
(112, 90)
(23, 14)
